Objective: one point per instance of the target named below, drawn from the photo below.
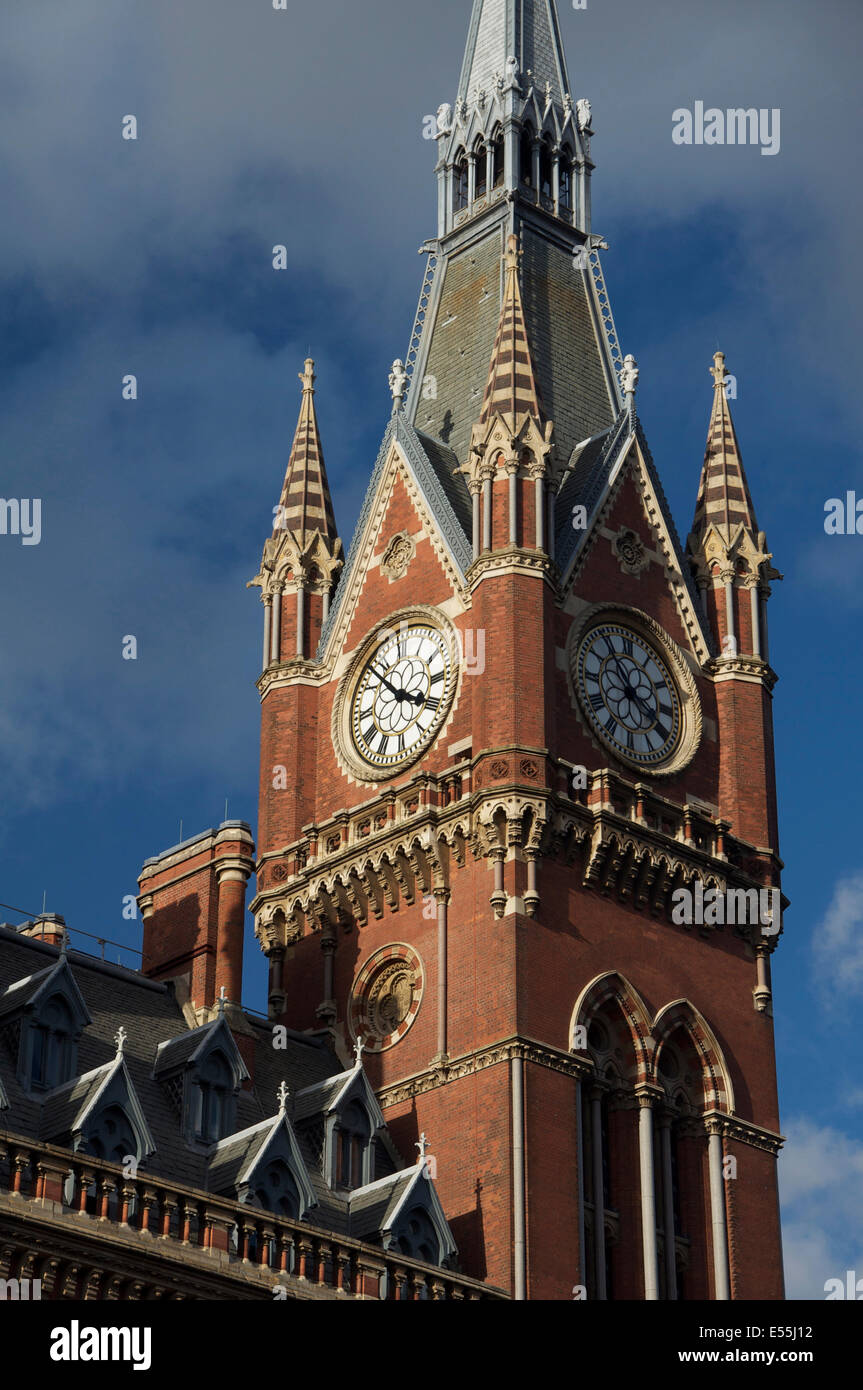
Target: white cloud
(821, 1189)
(838, 940)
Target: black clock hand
(399, 694)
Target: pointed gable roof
(723, 493)
(305, 506)
(511, 389)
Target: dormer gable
(99, 1113)
(353, 1124)
(264, 1167)
(202, 1071)
(404, 1214)
(42, 1017)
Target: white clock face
(402, 695)
(628, 694)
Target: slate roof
(373, 1206)
(158, 1041)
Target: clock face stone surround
(397, 694)
(634, 689)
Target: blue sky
(153, 257)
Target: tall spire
(305, 506)
(526, 30)
(727, 552)
(511, 389)
(724, 500)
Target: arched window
(525, 157)
(352, 1143)
(111, 1136)
(416, 1237)
(460, 181)
(276, 1189)
(480, 184)
(52, 1044)
(215, 1084)
(497, 157)
(565, 180)
(545, 166)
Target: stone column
(477, 524)
(268, 618)
(512, 471)
(539, 511)
(486, 510)
(276, 624)
(519, 1230)
(598, 1193)
(441, 898)
(717, 1211)
(648, 1196)
(664, 1123)
(756, 620)
(301, 617)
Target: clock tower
(517, 808)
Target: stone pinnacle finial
(422, 1144)
(629, 375)
(398, 379)
(282, 1096)
(358, 1050)
(512, 253)
(307, 375)
(119, 1038)
(718, 370)
(222, 1000)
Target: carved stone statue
(582, 108)
(629, 375)
(444, 118)
(398, 382)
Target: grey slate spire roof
(526, 30)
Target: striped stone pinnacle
(305, 506)
(511, 389)
(723, 493)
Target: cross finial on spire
(282, 1097)
(358, 1050)
(717, 371)
(422, 1144)
(222, 1000)
(307, 375)
(119, 1038)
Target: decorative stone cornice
(455, 1068)
(513, 559)
(748, 668)
(625, 838)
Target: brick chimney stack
(192, 901)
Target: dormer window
(202, 1072)
(214, 1084)
(44, 1015)
(111, 1136)
(353, 1134)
